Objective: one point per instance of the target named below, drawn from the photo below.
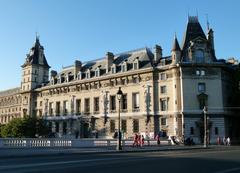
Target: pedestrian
(142, 140)
(148, 138)
(139, 140)
(158, 139)
(228, 141)
(224, 140)
(218, 140)
(135, 140)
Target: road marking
(229, 170)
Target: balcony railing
(124, 110)
(136, 110)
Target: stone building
(160, 93)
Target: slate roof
(33, 57)
(144, 55)
(176, 46)
(193, 31)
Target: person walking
(158, 139)
(142, 140)
(224, 140)
(218, 140)
(228, 141)
(135, 140)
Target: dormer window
(87, 75)
(79, 75)
(97, 72)
(124, 67)
(199, 55)
(136, 64)
(113, 69)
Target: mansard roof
(9, 92)
(143, 55)
(34, 55)
(193, 31)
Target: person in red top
(135, 140)
(142, 140)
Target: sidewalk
(31, 152)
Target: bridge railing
(74, 143)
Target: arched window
(199, 55)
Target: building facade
(160, 93)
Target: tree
(28, 127)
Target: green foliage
(26, 127)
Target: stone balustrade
(74, 143)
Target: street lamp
(205, 145)
(119, 97)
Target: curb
(103, 152)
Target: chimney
(77, 67)
(109, 60)
(157, 53)
(53, 73)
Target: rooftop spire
(176, 46)
(208, 28)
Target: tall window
(78, 106)
(112, 103)
(163, 76)
(65, 111)
(50, 108)
(201, 87)
(112, 126)
(58, 108)
(124, 125)
(135, 125)
(96, 104)
(124, 102)
(163, 104)
(135, 98)
(87, 105)
(163, 121)
(163, 89)
(199, 56)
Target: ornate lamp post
(119, 97)
(205, 145)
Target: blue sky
(87, 29)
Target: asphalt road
(195, 161)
